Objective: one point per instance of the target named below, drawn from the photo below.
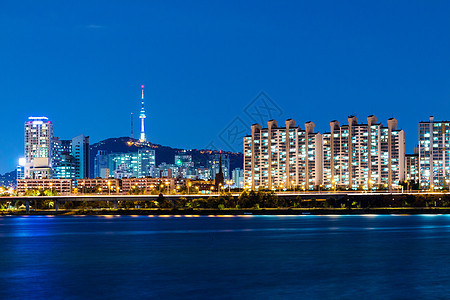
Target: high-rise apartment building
(283, 157)
(363, 156)
(434, 154)
(38, 148)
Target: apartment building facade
(282, 157)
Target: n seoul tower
(142, 117)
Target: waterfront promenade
(310, 203)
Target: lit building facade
(38, 148)
(185, 164)
(412, 168)
(99, 185)
(147, 184)
(133, 164)
(61, 186)
(434, 154)
(214, 164)
(63, 163)
(363, 156)
(283, 157)
(237, 176)
(101, 164)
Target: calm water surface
(311, 257)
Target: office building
(133, 164)
(63, 163)
(185, 164)
(237, 176)
(213, 165)
(80, 153)
(101, 164)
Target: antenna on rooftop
(131, 118)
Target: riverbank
(235, 212)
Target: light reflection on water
(227, 257)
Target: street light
(109, 187)
(229, 182)
(189, 185)
(292, 184)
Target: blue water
(311, 257)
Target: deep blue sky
(81, 64)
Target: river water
(260, 257)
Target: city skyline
(82, 67)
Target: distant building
(412, 167)
(133, 164)
(237, 176)
(20, 170)
(434, 154)
(38, 150)
(185, 164)
(101, 168)
(167, 170)
(214, 165)
(184, 160)
(203, 173)
(219, 180)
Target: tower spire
(142, 117)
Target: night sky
(81, 63)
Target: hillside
(163, 153)
(8, 179)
